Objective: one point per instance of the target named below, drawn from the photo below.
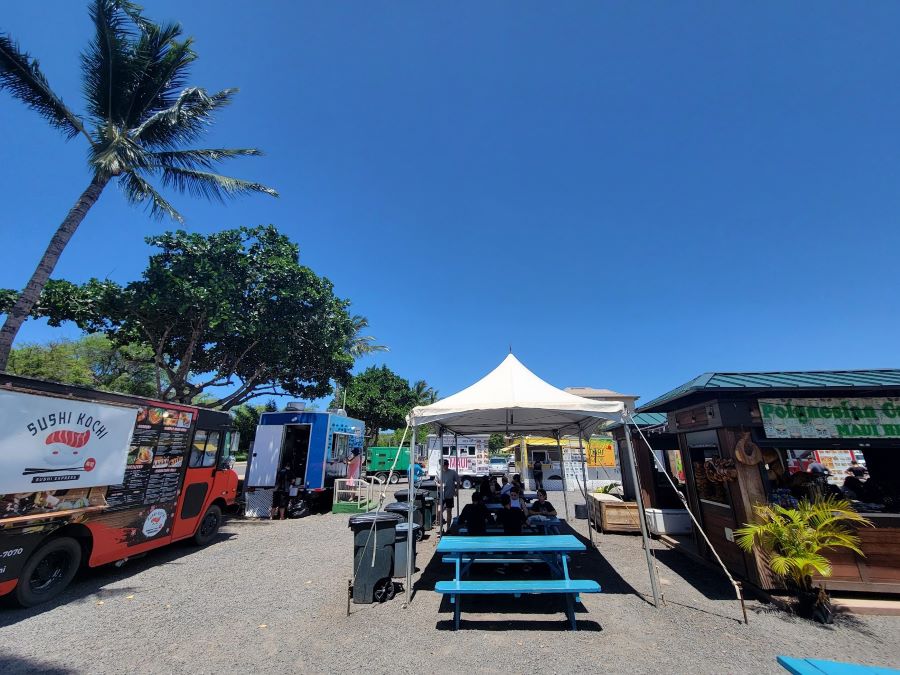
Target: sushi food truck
(307, 449)
(89, 478)
(468, 456)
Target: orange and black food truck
(89, 478)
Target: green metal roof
(643, 420)
(817, 379)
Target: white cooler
(668, 521)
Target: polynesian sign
(831, 417)
(49, 443)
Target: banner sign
(49, 443)
(601, 452)
(831, 417)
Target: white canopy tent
(513, 400)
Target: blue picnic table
(552, 550)
(820, 667)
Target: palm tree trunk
(32, 292)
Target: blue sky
(629, 194)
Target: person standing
(537, 470)
(449, 486)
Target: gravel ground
(272, 596)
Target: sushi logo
(155, 522)
(66, 447)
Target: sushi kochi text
(52, 420)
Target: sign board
(601, 452)
(49, 443)
(831, 417)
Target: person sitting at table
(506, 487)
(547, 517)
(515, 499)
(475, 516)
(484, 489)
(511, 519)
(517, 482)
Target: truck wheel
(381, 478)
(394, 479)
(48, 571)
(209, 526)
(467, 483)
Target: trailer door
(265, 457)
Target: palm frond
(209, 185)
(201, 158)
(108, 65)
(163, 63)
(139, 192)
(21, 75)
(184, 121)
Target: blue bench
(820, 667)
(568, 587)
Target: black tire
(420, 534)
(394, 478)
(209, 526)
(384, 590)
(298, 510)
(48, 571)
(382, 477)
(467, 483)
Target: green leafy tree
(496, 442)
(424, 394)
(93, 361)
(138, 125)
(361, 344)
(231, 309)
(379, 397)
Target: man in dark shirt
(857, 470)
(474, 516)
(511, 519)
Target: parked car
(499, 466)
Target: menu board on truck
(49, 443)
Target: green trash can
(373, 531)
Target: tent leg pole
(440, 452)
(640, 504)
(562, 467)
(409, 518)
(587, 505)
(456, 445)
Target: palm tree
(360, 344)
(424, 394)
(139, 120)
(794, 541)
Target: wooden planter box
(614, 515)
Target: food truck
(89, 478)
(467, 455)
(307, 449)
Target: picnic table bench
(553, 550)
(820, 667)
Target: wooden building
(750, 438)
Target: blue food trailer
(313, 449)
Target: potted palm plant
(793, 541)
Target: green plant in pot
(606, 489)
(794, 541)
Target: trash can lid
(404, 527)
(404, 494)
(397, 506)
(374, 517)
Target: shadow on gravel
(709, 581)
(91, 581)
(17, 664)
